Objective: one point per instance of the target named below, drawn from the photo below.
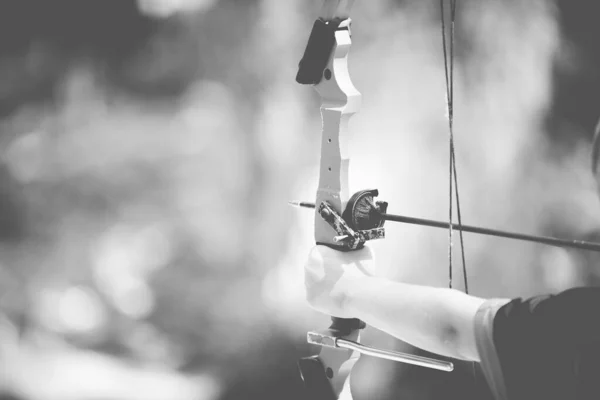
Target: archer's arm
(437, 320)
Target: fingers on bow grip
(361, 220)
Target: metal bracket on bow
(363, 216)
(329, 339)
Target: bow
(341, 221)
(346, 222)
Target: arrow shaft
(551, 241)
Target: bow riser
(340, 100)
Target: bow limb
(336, 9)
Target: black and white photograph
(299, 199)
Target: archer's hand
(329, 275)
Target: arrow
(547, 240)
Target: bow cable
(453, 176)
(448, 50)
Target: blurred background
(148, 149)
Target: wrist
(351, 288)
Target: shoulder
(556, 318)
(517, 335)
(562, 315)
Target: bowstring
(448, 50)
(453, 178)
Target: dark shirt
(546, 347)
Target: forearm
(434, 319)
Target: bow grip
(341, 327)
(360, 213)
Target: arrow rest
(362, 220)
(362, 213)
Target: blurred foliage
(121, 216)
